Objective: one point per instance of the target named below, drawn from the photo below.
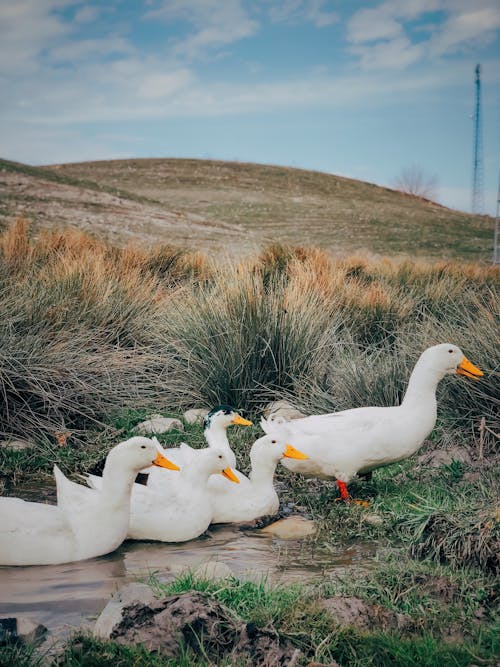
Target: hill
(236, 207)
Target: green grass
(296, 614)
(430, 513)
(14, 655)
(254, 602)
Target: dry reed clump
(319, 333)
(330, 333)
(456, 537)
(384, 322)
(77, 326)
(243, 336)
(175, 266)
(53, 381)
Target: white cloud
(26, 28)
(135, 89)
(163, 85)
(394, 54)
(464, 28)
(87, 14)
(216, 24)
(320, 18)
(380, 35)
(368, 25)
(299, 10)
(385, 21)
(84, 49)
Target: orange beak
(163, 462)
(237, 419)
(469, 370)
(292, 453)
(229, 474)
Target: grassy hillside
(299, 207)
(52, 199)
(236, 208)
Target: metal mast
(477, 172)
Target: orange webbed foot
(344, 496)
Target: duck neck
(117, 485)
(194, 476)
(421, 390)
(262, 472)
(216, 436)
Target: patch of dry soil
(191, 619)
(114, 218)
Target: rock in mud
(192, 619)
(195, 415)
(282, 411)
(158, 424)
(291, 528)
(21, 630)
(442, 457)
(373, 519)
(111, 615)
(16, 445)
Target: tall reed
(86, 328)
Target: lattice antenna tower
(477, 163)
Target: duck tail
(271, 426)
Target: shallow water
(64, 596)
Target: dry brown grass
(77, 328)
(331, 333)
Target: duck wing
(334, 426)
(19, 516)
(70, 494)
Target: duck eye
(273, 442)
(450, 351)
(143, 446)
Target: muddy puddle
(64, 596)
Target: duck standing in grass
(255, 496)
(85, 523)
(342, 444)
(176, 512)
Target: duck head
(213, 461)
(272, 448)
(223, 416)
(138, 453)
(448, 358)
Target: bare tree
(414, 181)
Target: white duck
(180, 512)
(93, 524)
(215, 426)
(342, 444)
(255, 496)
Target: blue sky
(356, 88)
